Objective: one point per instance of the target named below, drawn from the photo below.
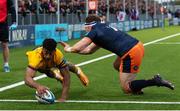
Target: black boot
(161, 82)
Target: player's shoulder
(100, 27)
(58, 56)
(58, 52)
(36, 52)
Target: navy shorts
(4, 32)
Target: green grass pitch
(162, 57)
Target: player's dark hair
(92, 18)
(49, 44)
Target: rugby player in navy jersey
(129, 51)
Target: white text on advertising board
(19, 35)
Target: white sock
(6, 64)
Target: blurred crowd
(78, 7)
(71, 6)
(50, 6)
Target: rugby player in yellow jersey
(50, 60)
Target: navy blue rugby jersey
(111, 39)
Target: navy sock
(137, 85)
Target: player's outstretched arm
(78, 47)
(30, 74)
(90, 49)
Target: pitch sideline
(85, 63)
(96, 101)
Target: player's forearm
(89, 50)
(30, 74)
(65, 92)
(72, 50)
(66, 83)
(31, 83)
(86, 51)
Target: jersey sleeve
(60, 61)
(92, 34)
(33, 59)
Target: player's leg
(128, 69)
(53, 72)
(138, 85)
(5, 50)
(129, 66)
(125, 79)
(4, 33)
(77, 70)
(56, 74)
(130, 85)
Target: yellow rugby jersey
(37, 62)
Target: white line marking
(163, 38)
(84, 63)
(168, 43)
(118, 102)
(94, 101)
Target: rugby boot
(6, 69)
(138, 92)
(161, 82)
(83, 78)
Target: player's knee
(126, 88)
(4, 45)
(72, 67)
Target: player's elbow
(26, 80)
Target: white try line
(168, 43)
(85, 63)
(95, 101)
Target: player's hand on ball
(41, 89)
(45, 98)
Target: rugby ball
(46, 98)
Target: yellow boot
(84, 79)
